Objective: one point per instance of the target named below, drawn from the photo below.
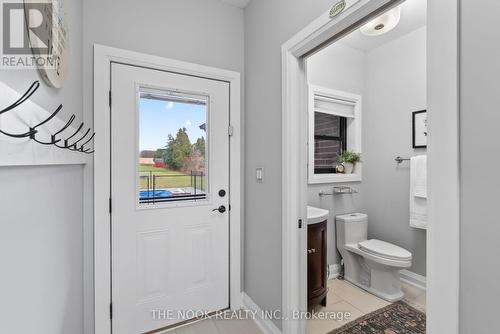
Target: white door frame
(103, 58)
(443, 152)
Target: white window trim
(354, 128)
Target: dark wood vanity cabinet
(316, 265)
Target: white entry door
(170, 197)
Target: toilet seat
(385, 250)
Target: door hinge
(230, 130)
(110, 206)
(110, 99)
(110, 310)
(300, 223)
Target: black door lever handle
(221, 209)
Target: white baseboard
(265, 325)
(333, 271)
(416, 280)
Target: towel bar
(400, 160)
(339, 191)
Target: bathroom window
(334, 126)
(330, 141)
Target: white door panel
(169, 248)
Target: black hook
(18, 135)
(73, 146)
(71, 119)
(53, 137)
(34, 131)
(74, 134)
(33, 88)
(86, 142)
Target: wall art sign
(34, 35)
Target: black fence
(156, 190)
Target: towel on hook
(418, 191)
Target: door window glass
(173, 148)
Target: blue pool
(147, 194)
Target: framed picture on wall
(420, 129)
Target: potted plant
(349, 159)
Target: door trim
(443, 79)
(103, 57)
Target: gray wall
(41, 218)
(205, 32)
(480, 180)
(392, 81)
(41, 249)
(268, 24)
(395, 87)
(343, 68)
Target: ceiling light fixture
(382, 24)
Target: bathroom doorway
(367, 75)
(363, 91)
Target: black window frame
(342, 138)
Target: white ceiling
(237, 3)
(413, 16)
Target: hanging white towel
(418, 192)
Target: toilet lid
(384, 249)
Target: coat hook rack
(33, 131)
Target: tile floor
(345, 297)
(342, 297)
(216, 326)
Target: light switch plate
(259, 174)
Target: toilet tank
(352, 228)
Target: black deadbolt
(222, 193)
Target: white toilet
(372, 265)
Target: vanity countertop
(316, 215)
